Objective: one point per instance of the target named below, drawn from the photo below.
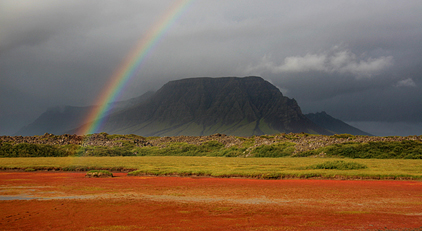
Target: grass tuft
(99, 173)
(339, 165)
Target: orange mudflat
(69, 201)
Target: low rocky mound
(99, 174)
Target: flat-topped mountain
(197, 106)
(203, 106)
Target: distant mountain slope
(60, 120)
(56, 120)
(203, 106)
(334, 125)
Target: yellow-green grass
(226, 167)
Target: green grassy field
(265, 168)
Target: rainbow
(130, 67)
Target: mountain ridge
(203, 106)
(334, 125)
(62, 119)
(242, 106)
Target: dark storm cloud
(357, 60)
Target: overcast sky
(360, 61)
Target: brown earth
(69, 201)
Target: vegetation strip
(337, 157)
(261, 168)
(279, 145)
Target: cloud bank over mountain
(335, 61)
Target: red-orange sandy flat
(69, 201)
